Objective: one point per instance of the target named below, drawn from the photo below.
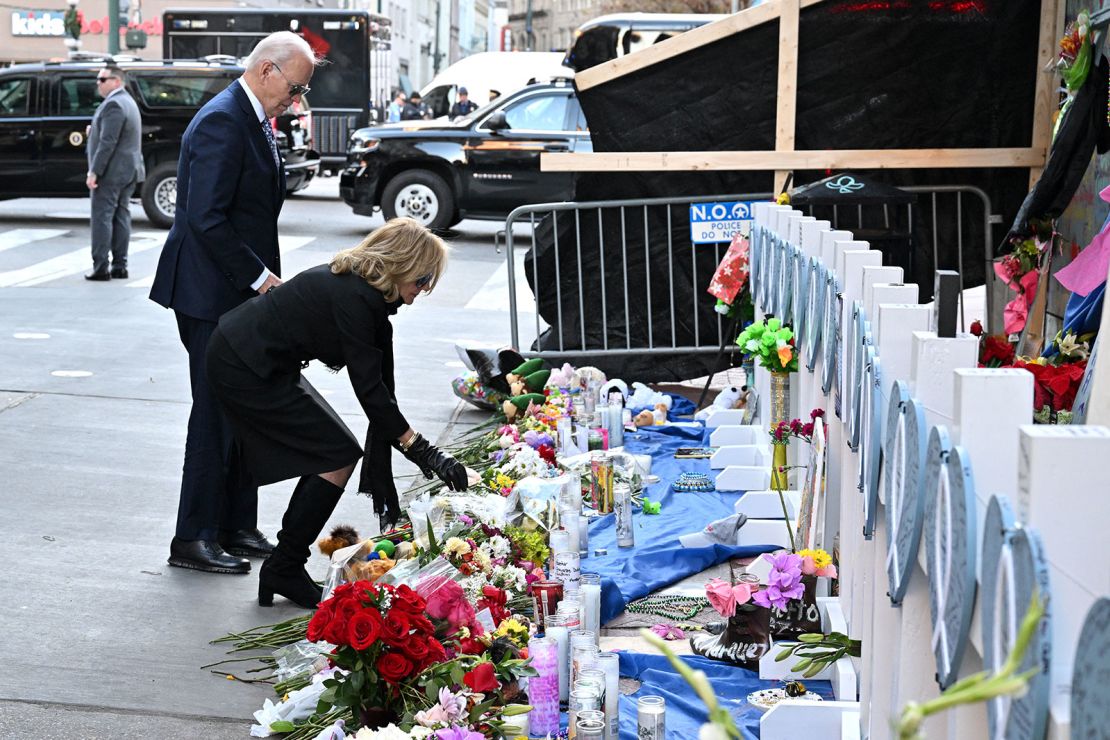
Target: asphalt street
(101, 638)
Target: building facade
(553, 22)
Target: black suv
(45, 109)
(481, 166)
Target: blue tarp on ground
(658, 560)
(685, 711)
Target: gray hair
(279, 48)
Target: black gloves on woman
(430, 458)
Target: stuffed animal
(371, 570)
(644, 419)
(644, 397)
(565, 377)
(522, 405)
(341, 536)
(726, 399)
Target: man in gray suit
(115, 168)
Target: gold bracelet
(412, 440)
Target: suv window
(180, 91)
(15, 97)
(538, 113)
(78, 97)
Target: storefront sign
(903, 459)
(1013, 569)
(38, 23)
(949, 551)
(711, 223)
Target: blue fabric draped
(1083, 315)
(658, 559)
(680, 406)
(685, 711)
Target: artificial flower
(995, 351)
(669, 631)
(725, 597)
(784, 583)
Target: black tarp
(903, 74)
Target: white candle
(611, 664)
(589, 597)
(556, 629)
(568, 518)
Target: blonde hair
(402, 251)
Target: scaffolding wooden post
(785, 111)
(1044, 101)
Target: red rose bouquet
(383, 640)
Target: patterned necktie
(268, 130)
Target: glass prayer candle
(581, 699)
(543, 690)
(589, 729)
(651, 718)
(589, 599)
(557, 631)
(610, 665)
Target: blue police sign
(711, 223)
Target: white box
(755, 455)
(744, 478)
(723, 417)
(763, 532)
(766, 505)
(749, 434)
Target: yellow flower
(820, 557)
(783, 199)
(456, 546)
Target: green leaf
(457, 674)
(357, 680)
(432, 547)
(282, 725)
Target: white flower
(710, 731)
(389, 732)
(499, 546)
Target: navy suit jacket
(229, 194)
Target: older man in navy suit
(223, 249)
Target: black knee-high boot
(313, 501)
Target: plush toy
(371, 570)
(745, 397)
(565, 377)
(590, 373)
(728, 398)
(404, 551)
(615, 386)
(644, 397)
(341, 536)
(644, 419)
(522, 404)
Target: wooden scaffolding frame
(785, 158)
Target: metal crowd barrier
(674, 283)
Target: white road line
(73, 263)
(19, 237)
(286, 243)
(494, 294)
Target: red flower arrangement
(1054, 385)
(382, 638)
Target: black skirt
(284, 428)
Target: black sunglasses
(104, 79)
(423, 281)
(294, 90)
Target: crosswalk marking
(72, 263)
(286, 243)
(19, 237)
(494, 293)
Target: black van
(612, 36)
(45, 110)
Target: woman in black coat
(338, 314)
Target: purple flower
(458, 733)
(536, 440)
(784, 583)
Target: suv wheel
(422, 196)
(160, 194)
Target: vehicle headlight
(363, 144)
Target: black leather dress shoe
(249, 543)
(99, 275)
(207, 556)
(119, 274)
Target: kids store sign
(50, 23)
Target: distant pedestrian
(115, 157)
(393, 112)
(415, 109)
(464, 106)
(223, 249)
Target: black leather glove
(430, 459)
